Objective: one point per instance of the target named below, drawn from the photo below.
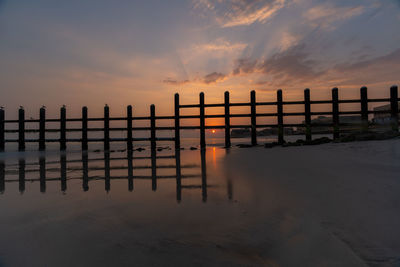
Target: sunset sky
(123, 52)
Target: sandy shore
(333, 204)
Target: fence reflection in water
(64, 166)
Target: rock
(270, 145)
(244, 145)
(365, 136)
(319, 141)
(140, 149)
(193, 148)
(97, 151)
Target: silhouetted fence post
(42, 129)
(253, 118)
(107, 178)
(63, 172)
(42, 170)
(364, 109)
(63, 128)
(153, 169)
(129, 136)
(203, 175)
(84, 128)
(21, 129)
(202, 122)
(2, 130)
(85, 171)
(394, 108)
(335, 113)
(153, 126)
(130, 170)
(106, 128)
(280, 116)
(227, 121)
(178, 175)
(2, 176)
(21, 175)
(307, 110)
(177, 123)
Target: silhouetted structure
(335, 124)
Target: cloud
(175, 82)
(325, 15)
(214, 77)
(289, 65)
(231, 13)
(245, 66)
(220, 45)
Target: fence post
(203, 175)
(202, 122)
(2, 176)
(177, 123)
(21, 175)
(2, 129)
(21, 129)
(153, 147)
(307, 110)
(129, 138)
(364, 108)
(178, 175)
(42, 171)
(394, 108)
(253, 118)
(107, 178)
(106, 128)
(153, 126)
(63, 171)
(227, 121)
(42, 129)
(280, 116)
(85, 171)
(335, 113)
(130, 170)
(153, 169)
(63, 127)
(84, 128)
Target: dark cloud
(292, 64)
(213, 77)
(175, 82)
(244, 65)
(392, 58)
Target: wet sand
(328, 205)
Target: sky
(96, 52)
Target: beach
(328, 205)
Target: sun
(213, 131)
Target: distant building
(382, 118)
(322, 124)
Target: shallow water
(96, 208)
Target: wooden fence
(130, 129)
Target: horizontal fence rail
(130, 119)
